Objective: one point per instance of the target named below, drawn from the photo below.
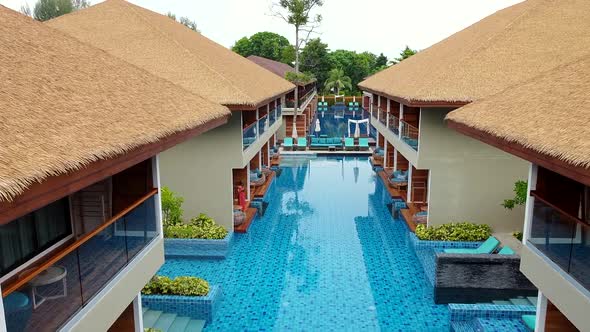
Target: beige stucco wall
(570, 300)
(126, 287)
(468, 179)
(200, 169)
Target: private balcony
(303, 102)
(409, 134)
(252, 132)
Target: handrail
(69, 249)
(553, 206)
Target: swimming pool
(327, 256)
(334, 123)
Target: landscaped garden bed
(199, 237)
(185, 296)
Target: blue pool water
(327, 256)
(334, 123)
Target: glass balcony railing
(272, 117)
(290, 103)
(263, 125)
(46, 296)
(562, 238)
(409, 134)
(382, 115)
(393, 124)
(249, 135)
(279, 112)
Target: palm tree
(337, 80)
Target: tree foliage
(337, 80)
(267, 45)
(47, 9)
(184, 20)
(314, 59)
(520, 195)
(171, 207)
(298, 13)
(406, 53)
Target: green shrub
(463, 231)
(520, 194)
(188, 286)
(171, 207)
(202, 227)
(517, 235)
(151, 329)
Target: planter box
(197, 247)
(195, 307)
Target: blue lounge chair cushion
(422, 213)
(506, 250)
(487, 247)
(363, 142)
(315, 140)
(349, 142)
(302, 141)
(529, 321)
(288, 141)
(396, 174)
(322, 140)
(16, 302)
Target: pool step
(168, 322)
(520, 301)
(500, 324)
(463, 326)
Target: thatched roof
(65, 104)
(504, 49)
(279, 68)
(170, 50)
(549, 114)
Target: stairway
(492, 324)
(166, 322)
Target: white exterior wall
(200, 169)
(468, 178)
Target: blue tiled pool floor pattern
(326, 256)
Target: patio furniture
(420, 217)
(506, 250)
(257, 179)
(54, 274)
(325, 143)
(364, 143)
(349, 143)
(239, 217)
(301, 143)
(288, 143)
(18, 310)
(487, 247)
(398, 179)
(529, 321)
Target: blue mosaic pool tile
(195, 307)
(326, 256)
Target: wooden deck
(275, 161)
(260, 191)
(250, 214)
(392, 191)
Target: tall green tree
(298, 13)
(267, 45)
(357, 66)
(337, 80)
(381, 61)
(314, 59)
(47, 9)
(406, 53)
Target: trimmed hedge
(202, 227)
(463, 231)
(187, 286)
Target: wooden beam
(57, 187)
(579, 174)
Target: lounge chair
(301, 143)
(288, 143)
(487, 247)
(506, 250)
(257, 178)
(364, 143)
(325, 143)
(398, 179)
(530, 321)
(349, 143)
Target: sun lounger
(487, 247)
(506, 250)
(529, 321)
(364, 143)
(325, 142)
(301, 143)
(349, 143)
(288, 143)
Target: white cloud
(368, 25)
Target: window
(28, 236)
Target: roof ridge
(138, 14)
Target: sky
(377, 26)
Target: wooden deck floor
(250, 214)
(260, 191)
(275, 161)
